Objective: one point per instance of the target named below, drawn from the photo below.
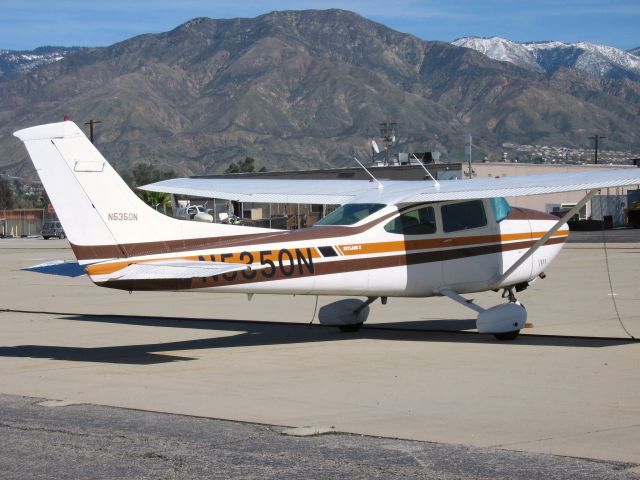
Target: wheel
(62, 236)
(352, 327)
(46, 238)
(506, 335)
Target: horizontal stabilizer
(174, 269)
(58, 267)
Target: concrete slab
(552, 394)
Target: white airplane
(397, 239)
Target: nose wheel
(506, 336)
(508, 293)
(502, 321)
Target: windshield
(350, 213)
(501, 208)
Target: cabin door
(471, 256)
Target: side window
(421, 221)
(463, 216)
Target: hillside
(302, 89)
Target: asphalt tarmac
(139, 373)
(44, 440)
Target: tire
(62, 236)
(46, 238)
(352, 327)
(506, 336)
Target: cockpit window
(350, 213)
(421, 221)
(501, 208)
(463, 216)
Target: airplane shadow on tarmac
(251, 333)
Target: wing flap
(323, 192)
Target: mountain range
(301, 89)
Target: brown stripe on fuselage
(319, 232)
(326, 268)
(231, 241)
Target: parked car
(52, 229)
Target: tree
(7, 196)
(157, 200)
(245, 166)
(145, 172)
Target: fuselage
(383, 250)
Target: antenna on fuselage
(380, 186)
(435, 182)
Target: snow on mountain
(502, 50)
(15, 62)
(598, 60)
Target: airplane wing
(266, 190)
(394, 191)
(173, 269)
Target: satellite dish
(375, 147)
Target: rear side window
(463, 216)
(416, 222)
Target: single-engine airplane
(397, 239)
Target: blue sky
(26, 24)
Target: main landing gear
(348, 314)
(504, 321)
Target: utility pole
(468, 141)
(595, 139)
(388, 132)
(91, 123)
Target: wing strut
(548, 235)
(436, 183)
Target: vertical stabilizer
(100, 214)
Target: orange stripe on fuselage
(435, 243)
(346, 250)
